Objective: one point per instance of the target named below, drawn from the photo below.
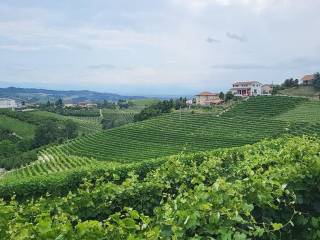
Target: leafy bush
(265, 191)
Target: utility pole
(180, 112)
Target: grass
(22, 129)
(145, 102)
(306, 112)
(307, 91)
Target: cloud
(102, 66)
(240, 66)
(235, 36)
(38, 35)
(196, 6)
(212, 40)
(295, 63)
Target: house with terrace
(246, 88)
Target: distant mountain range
(34, 95)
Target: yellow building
(207, 99)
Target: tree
(288, 83)
(59, 103)
(221, 95)
(123, 104)
(47, 132)
(229, 96)
(7, 148)
(316, 82)
(71, 129)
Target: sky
(156, 47)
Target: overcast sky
(156, 46)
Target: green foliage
(316, 82)
(18, 159)
(116, 117)
(264, 106)
(17, 126)
(268, 190)
(288, 83)
(229, 96)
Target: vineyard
(268, 190)
(306, 112)
(170, 134)
(86, 124)
(120, 115)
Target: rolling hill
(187, 131)
(43, 95)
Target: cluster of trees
(111, 122)
(288, 83)
(108, 105)
(316, 82)
(226, 97)
(159, 108)
(59, 108)
(14, 150)
(51, 131)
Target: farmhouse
(246, 89)
(7, 103)
(307, 80)
(267, 89)
(207, 99)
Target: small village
(244, 89)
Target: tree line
(15, 151)
(165, 106)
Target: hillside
(20, 128)
(265, 191)
(43, 95)
(301, 91)
(246, 123)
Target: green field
(145, 102)
(187, 131)
(306, 112)
(86, 124)
(20, 128)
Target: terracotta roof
(207, 94)
(308, 77)
(246, 82)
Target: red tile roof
(308, 77)
(207, 94)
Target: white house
(7, 103)
(246, 89)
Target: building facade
(7, 103)
(246, 89)
(308, 80)
(267, 89)
(207, 99)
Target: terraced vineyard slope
(306, 112)
(177, 132)
(86, 124)
(264, 106)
